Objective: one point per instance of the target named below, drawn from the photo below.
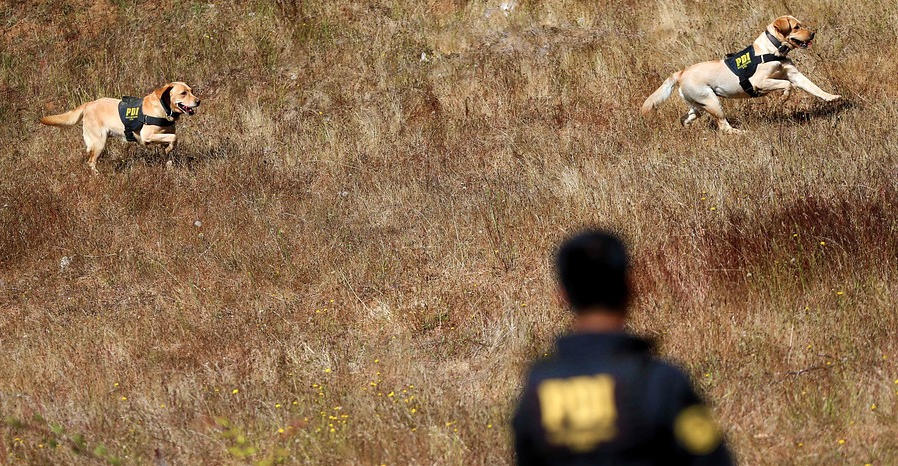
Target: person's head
(593, 270)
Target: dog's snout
(197, 102)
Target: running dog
(759, 69)
(148, 120)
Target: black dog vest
(130, 110)
(744, 64)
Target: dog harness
(130, 110)
(744, 64)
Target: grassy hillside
(348, 261)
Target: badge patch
(696, 430)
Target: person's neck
(598, 320)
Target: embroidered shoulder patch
(696, 430)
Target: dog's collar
(781, 47)
(169, 113)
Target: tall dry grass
(349, 261)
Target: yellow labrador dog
(146, 120)
(761, 68)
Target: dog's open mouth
(186, 109)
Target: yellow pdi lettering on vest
(578, 412)
(743, 60)
(132, 112)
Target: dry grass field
(349, 259)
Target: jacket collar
(577, 344)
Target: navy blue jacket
(603, 399)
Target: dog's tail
(65, 119)
(661, 94)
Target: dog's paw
(833, 98)
(786, 94)
(734, 131)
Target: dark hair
(592, 268)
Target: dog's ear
(783, 24)
(164, 93)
